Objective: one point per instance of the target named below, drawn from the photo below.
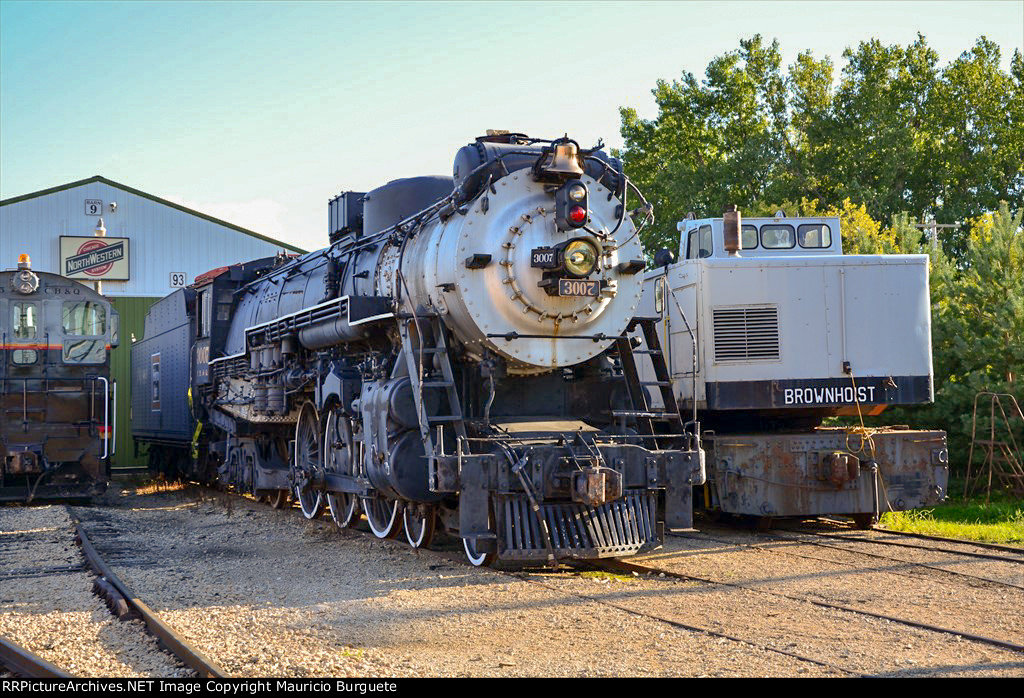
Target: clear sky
(259, 112)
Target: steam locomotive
(57, 402)
(458, 357)
(769, 329)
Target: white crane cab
(788, 330)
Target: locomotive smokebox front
(541, 266)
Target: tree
(879, 128)
(896, 134)
(724, 141)
(977, 120)
(977, 325)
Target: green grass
(601, 575)
(999, 521)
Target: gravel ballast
(47, 605)
(265, 592)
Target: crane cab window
(777, 237)
(24, 325)
(698, 243)
(815, 236)
(83, 320)
(748, 237)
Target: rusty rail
(24, 663)
(635, 567)
(959, 541)
(163, 632)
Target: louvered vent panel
(746, 334)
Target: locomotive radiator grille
(622, 527)
(746, 334)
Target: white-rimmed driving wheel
(339, 457)
(307, 461)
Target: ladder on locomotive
(425, 336)
(642, 412)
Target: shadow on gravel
(918, 672)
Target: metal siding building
(164, 238)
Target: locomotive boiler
(458, 356)
(57, 402)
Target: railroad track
(122, 602)
(628, 567)
(802, 539)
(828, 651)
(1014, 556)
(122, 597)
(27, 664)
(1016, 550)
(454, 553)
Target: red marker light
(577, 214)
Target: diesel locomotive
(769, 329)
(458, 357)
(57, 401)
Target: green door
(133, 317)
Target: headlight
(580, 257)
(577, 192)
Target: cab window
(748, 237)
(24, 356)
(777, 237)
(84, 319)
(698, 243)
(24, 320)
(816, 236)
(85, 351)
(24, 325)
(204, 306)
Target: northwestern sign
(94, 258)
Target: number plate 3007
(578, 287)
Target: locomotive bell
(565, 161)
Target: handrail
(113, 409)
(106, 416)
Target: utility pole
(932, 228)
(100, 231)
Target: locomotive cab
(57, 402)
